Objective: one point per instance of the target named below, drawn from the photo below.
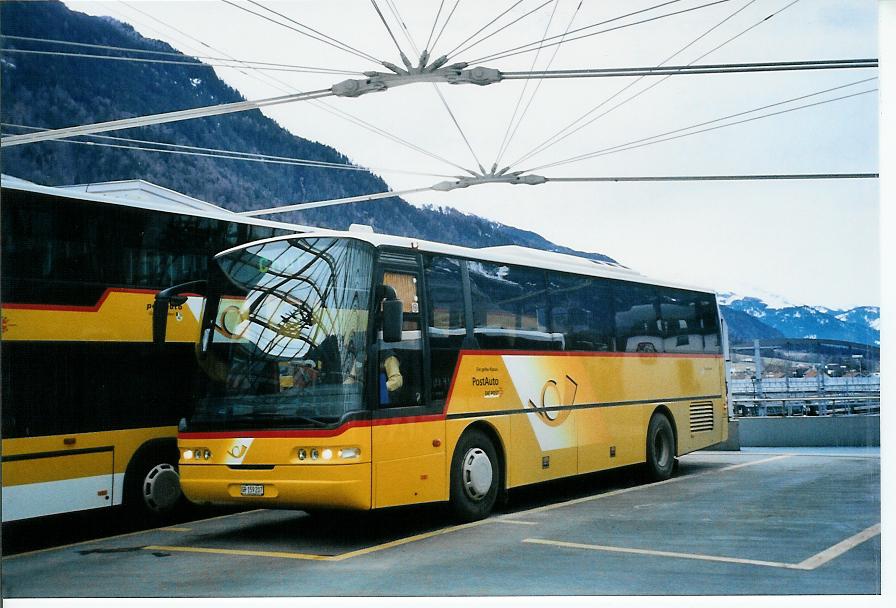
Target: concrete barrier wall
(808, 431)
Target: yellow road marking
(245, 552)
(811, 563)
(117, 536)
(500, 520)
(171, 529)
(402, 541)
(418, 537)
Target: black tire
(152, 491)
(473, 490)
(660, 448)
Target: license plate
(252, 489)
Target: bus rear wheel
(475, 477)
(660, 448)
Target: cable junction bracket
(490, 178)
(437, 71)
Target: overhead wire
(560, 136)
(130, 18)
(501, 29)
(516, 50)
(638, 143)
(459, 129)
(342, 114)
(227, 154)
(715, 178)
(318, 32)
(301, 32)
(434, 23)
(196, 64)
(519, 101)
(285, 87)
(444, 25)
(435, 87)
(331, 202)
(407, 33)
(477, 32)
(162, 118)
(388, 29)
(581, 29)
(391, 136)
(538, 86)
(688, 69)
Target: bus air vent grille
(398, 259)
(701, 416)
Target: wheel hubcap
(161, 488)
(477, 474)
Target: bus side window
(447, 321)
(510, 307)
(581, 310)
(637, 323)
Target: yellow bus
(353, 370)
(89, 406)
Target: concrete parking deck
(727, 523)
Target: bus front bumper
(342, 486)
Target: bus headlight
(197, 454)
(347, 453)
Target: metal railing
(820, 396)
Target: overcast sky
(812, 242)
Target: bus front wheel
(475, 477)
(660, 448)
(152, 485)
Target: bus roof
(503, 254)
(144, 195)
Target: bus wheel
(152, 487)
(475, 477)
(660, 448)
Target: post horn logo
(548, 409)
(238, 451)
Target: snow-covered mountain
(860, 324)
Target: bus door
(408, 433)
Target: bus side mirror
(166, 298)
(393, 320)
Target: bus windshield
(287, 345)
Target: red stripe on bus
(311, 432)
(91, 308)
(578, 353)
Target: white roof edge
(549, 261)
(174, 204)
(140, 185)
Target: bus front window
(288, 340)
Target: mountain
(751, 317)
(59, 91)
